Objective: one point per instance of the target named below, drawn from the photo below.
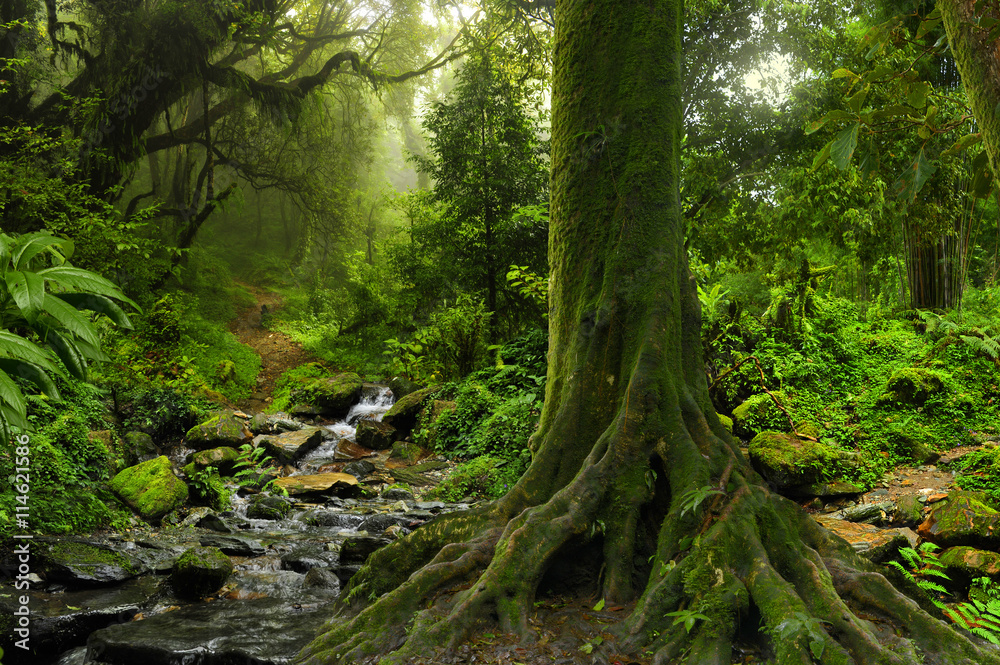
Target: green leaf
(858, 100)
(15, 346)
(843, 72)
(78, 279)
(99, 304)
(963, 143)
(587, 648)
(70, 318)
(822, 156)
(927, 25)
(11, 395)
(914, 177)
(599, 606)
(68, 352)
(28, 246)
(28, 290)
(916, 95)
(843, 146)
(32, 373)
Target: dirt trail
(277, 351)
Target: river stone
(788, 461)
(222, 458)
(359, 469)
(263, 507)
(322, 578)
(330, 518)
(964, 518)
(834, 488)
(233, 545)
(403, 414)
(321, 483)
(401, 387)
(259, 424)
(140, 446)
(968, 562)
(303, 559)
(375, 435)
(213, 522)
(381, 522)
(332, 395)
(200, 571)
(64, 620)
(909, 511)
(410, 452)
(397, 494)
(288, 447)
(875, 544)
(224, 428)
(264, 631)
(357, 550)
(877, 514)
(79, 563)
(150, 488)
(349, 450)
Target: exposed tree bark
(628, 434)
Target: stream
(286, 572)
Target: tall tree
(628, 442)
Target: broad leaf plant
(45, 327)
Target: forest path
(278, 352)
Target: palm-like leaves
(41, 298)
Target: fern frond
(906, 573)
(927, 585)
(985, 634)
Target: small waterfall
(375, 401)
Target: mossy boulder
(964, 518)
(403, 414)
(410, 452)
(224, 428)
(222, 458)
(401, 387)
(263, 507)
(726, 421)
(759, 413)
(79, 563)
(200, 571)
(375, 435)
(150, 488)
(912, 386)
(332, 395)
(140, 446)
(913, 444)
(966, 563)
(791, 463)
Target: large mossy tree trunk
(628, 439)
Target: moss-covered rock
(200, 571)
(332, 395)
(79, 563)
(912, 386)
(965, 562)
(759, 413)
(913, 444)
(222, 458)
(909, 511)
(790, 462)
(208, 488)
(375, 435)
(964, 518)
(410, 452)
(140, 446)
(263, 507)
(726, 421)
(150, 488)
(223, 428)
(403, 414)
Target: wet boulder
(263, 507)
(340, 484)
(151, 489)
(408, 452)
(403, 414)
(222, 458)
(200, 571)
(396, 494)
(224, 428)
(359, 468)
(964, 518)
(233, 545)
(304, 559)
(375, 435)
(332, 395)
(355, 551)
(791, 463)
(289, 447)
(83, 564)
(322, 578)
(140, 446)
(875, 544)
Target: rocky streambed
(250, 582)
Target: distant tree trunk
(628, 436)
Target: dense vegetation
(387, 174)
